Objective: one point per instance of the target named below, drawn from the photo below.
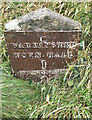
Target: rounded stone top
(42, 20)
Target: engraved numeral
(44, 64)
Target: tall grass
(68, 96)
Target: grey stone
(43, 19)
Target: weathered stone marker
(40, 43)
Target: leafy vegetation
(68, 96)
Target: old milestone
(41, 43)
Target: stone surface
(41, 55)
(43, 19)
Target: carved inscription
(40, 72)
(44, 45)
(41, 54)
(49, 55)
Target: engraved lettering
(34, 45)
(40, 72)
(59, 44)
(45, 44)
(30, 54)
(49, 54)
(23, 55)
(56, 55)
(63, 55)
(70, 54)
(53, 44)
(17, 55)
(27, 45)
(14, 45)
(66, 45)
(38, 55)
(20, 45)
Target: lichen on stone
(43, 19)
